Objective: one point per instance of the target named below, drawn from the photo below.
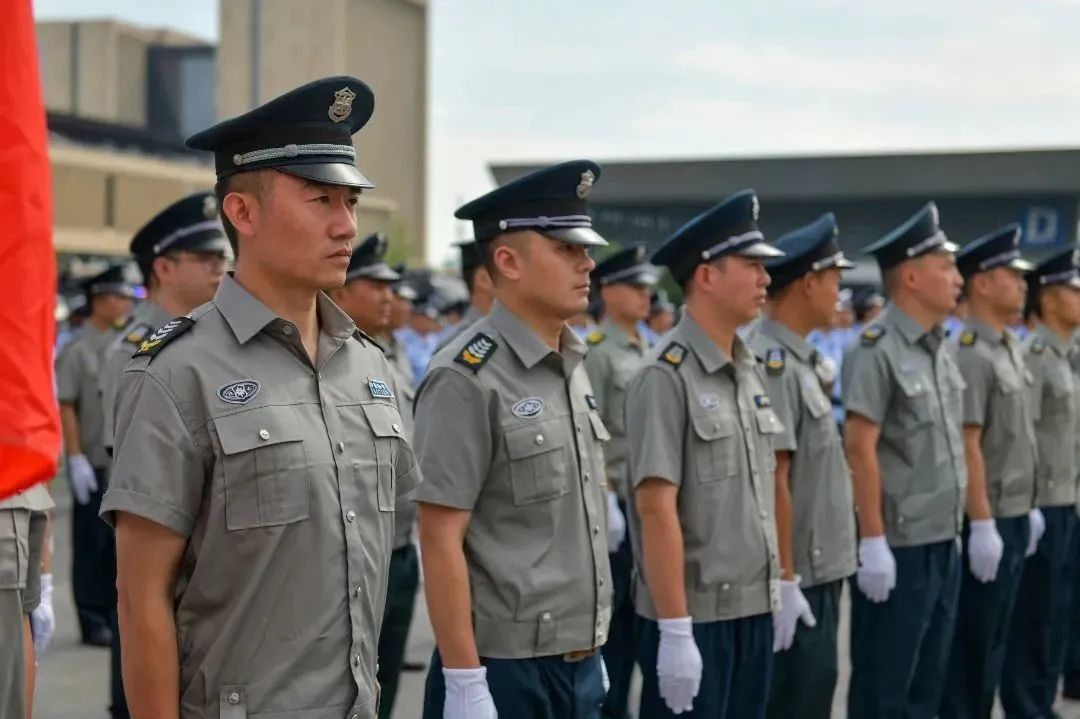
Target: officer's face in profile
(629, 303)
(936, 281)
(296, 231)
(112, 307)
(823, 295)
(738, 285)
(367, 302)
(549, 275)
(1063, 302)
(193, 277)
(1005, 289)
(400, 309)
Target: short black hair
(256, 182)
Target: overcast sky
(613, 79)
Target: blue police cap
(659, 302)
(191, 223)
(810, 248)
(920, 235)
(551, 201)
(111, 281)
(730, 228)
(1062, 268)
(306, 132)
(368, 261)
(626, 267)
(1000, 248)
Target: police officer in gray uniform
(700, 430)
(1040, 623)
(366, 298)
(512, 509)
(259, 447)
(616, 349)
(182, 253)
(481, 294)
(1000, 451)
(22, 534)
(815, 516)
(78, 390)
(903, 396)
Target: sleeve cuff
(141, 505)
(410, 481)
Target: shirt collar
(909, 329)
(710, 355)
(985, 331)
(525, 343)
(612, 330)
(785, 336)
(1060, 346)
(246, 315)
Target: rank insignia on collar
(762, 401)
(477, 352)
(967, 339)
(595, 337)
(163, 336)
(379, 389)
(674, 354)
(1038, 345)
(872, 334)
(774, 361)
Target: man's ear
(242, 210)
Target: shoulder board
(1038, 345)
(967, 339)
(138, 333)
(477, 352)
(871, 335)
(359, 334)
(595, 337)
(775, 359)
(152, 345)
(674, 354)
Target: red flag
(29, 419)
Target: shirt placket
(953, 441)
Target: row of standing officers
(583, 505)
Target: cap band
(276, 153)
(934, 240)
(120, 287)
(1059, 277)
(183, 232)
(562, 221)
(1003, 258)
(731, 242)
(628, 272)
(826, 262)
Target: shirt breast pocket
(267, 475)
(714, 450)
(917, 402)
(385, 423)
(538, 463)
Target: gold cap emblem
(342, 107)
(587, 180)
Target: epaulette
(967, 339)
(163, 336)
(775, 361)
(1038, 345)
(674, 354)
(138, 333)
(365, 337)
(477, 352)
(595, 337)
(871, 335)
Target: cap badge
(639, 254)
(342, 107)
(587, 180)
(209, 207)
(756, 210)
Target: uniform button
(341, 446)
(716, 426)
(234, 698)
(601, 581)
(586, 476)
(286, 330)
(263, 434)
(396, 428)
(595, 530)
(356, 660)
(577, 426)
(545, 617)
(764, 514)
(725, 586)
(350, 516)
(359, 591)
(539, 439)
(600, 636)
(817, 551)
(318, 376)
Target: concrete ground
(73, 680)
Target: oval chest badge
(240, 392)
(709, 402)
(528, 408)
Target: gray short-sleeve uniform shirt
(612, 360)
(1055, 402)
(823, 511)
(147, 318)
(404, 508)
(997, 398)
(77, 370)
(282, 476)
(508, 429)
(705, 423)
(906, 380)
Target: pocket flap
(530, 440)
(768, 422)
(817, 403)
(258, 427)
(713, 426)
(384, 419)
(598, 427)
(912, 385)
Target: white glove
(793, 607)
(877, 569)
(678, 664)
(984, 549)
(616, 523)
(81, 476)
(467, 695)
(604, 679)
(43, 619)
(1036, 529)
